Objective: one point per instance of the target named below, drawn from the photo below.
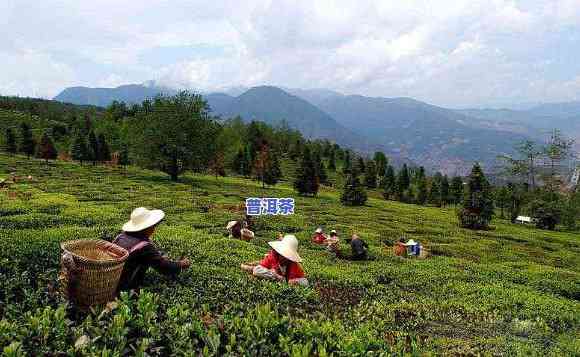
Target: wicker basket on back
(90, 271)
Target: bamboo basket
(90, 271)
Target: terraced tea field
(510, 290)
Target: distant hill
(273, 105)
(438, 138)
(130, 94)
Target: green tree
(389, 183)
(46, 150)
(502, 199)
(93, 147)
(320, 170)
(27, 144)
(477, 210)
(361, 165)
(124, 156)
(435, 190)
(332, 160)
(79, 150)
(456, 190)
(445, 190)
(176, 134)
(239, 162)
(381, 163)
(422, 190)
(558, 149)
(104, 152)
(347, 164)
(273, 171)
(403, 180)
(306, 182)
(217, 166)
(516, 199)
(353, 193)
(371, 175)
(10, 145)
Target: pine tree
(371, 175)
(381, 163)
(306, 182)
(422, 192)
(273, 173)
(404, 181)
(435, 190)
(10, 145)
(93, 148)
(445, 190)
(477, 210)
(353, 193)
(27, 144)
(79, 150)
(456, 190)
(216, 165)
(332, 160)
(46, 150)
(389, 182)
(103, 146)
(347, 164)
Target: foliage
(27, 144)
(477, 209)
(176, 134)
(10, 142)
(79, 150)
(389, 183)
(46, 149)
(509, 291)
(371, 175)
(353, 193)
(306, 182)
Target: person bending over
(282, 263)
(143, 254)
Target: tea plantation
(512, 290)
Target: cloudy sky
(448, 52)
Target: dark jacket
(142, 255)
(359, 248)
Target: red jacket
(293, 270)
(318, 238)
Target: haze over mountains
(441, 139)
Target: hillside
(512, 290)
(130, 94)
(438, 138)
(273, 105)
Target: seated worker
(359, 248)
(400, 248)
(282, 263)
(332, 242)
(143, 254)
(319, 237)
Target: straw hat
(287, 247)
(231, 224)
(411, 242)
(142, 218)
(318, 230)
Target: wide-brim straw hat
(287, 247)
(411, 242)
(333, 231)
(143, 218)
(318, 230)
(231, 224)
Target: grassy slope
(510, 290)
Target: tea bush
(510, 290)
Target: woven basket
(90, 271)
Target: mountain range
(441, 139)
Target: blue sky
(447, 52)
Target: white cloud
(448, 52)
